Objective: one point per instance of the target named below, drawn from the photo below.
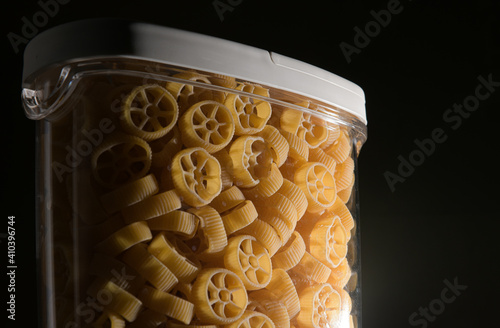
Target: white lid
(114, 37)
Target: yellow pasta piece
(226, 166)
(181, 223)
(279, 225)
(246, 257)
(345, 194)
(298, 149)
(290, 254)
(196, 176)
(277, 143)
(252, 319)
(239, 216)
(124, 238)
(318, 184)
(207, 124)
(340, 209)
(182, 267)
(152, 207)
(109, 319)
(116, 271)
(341, 148)
(320, 307)
(167, 304)
(346, 301)
(219, 296)
(149, 112)
(283, 288)
(149, 267)
(223, 81)
(309, 128)
(265, 234)
(291, 191)
(318, 155)
(333, 135)
(312, 269)
(148, 319)
(268, 185)
(328, 241)
(250, 114)
(119, 159)
(190, 93)
(172, 324)
(182, 290)
(130, 193)
(266, 302)
(214, 237)
(252, 160)
(115, 299)
(164, 148)
(227, 199)
(344, 173)
(340, 275)
(279, 205)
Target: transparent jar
(185, 180)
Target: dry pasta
(119, 159)
(250, 114)
(196, 176)
(328, 241)
(149, 112)
(149, 267)
(246, 257)
(115, 298)
(181, 223)
(207, 124)
(167, 304)
(124, 238)
(219, 296)
(129, 194)
(152, 207)
(318, 184)
(212, 209)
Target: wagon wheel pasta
(207, 124)
(219, 296)
(149, 112)
(216, 214)
(188, 94)
(318, 184)
(252, 319)
(250, 114)
(329, 241)
(196, 176)
(246, 257)
(120, 159)
(320, 307)
(311, 129)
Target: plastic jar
(185, 180)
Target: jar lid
(115, 37)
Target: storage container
(189, 181)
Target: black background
(440, 223)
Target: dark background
(439, 224)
